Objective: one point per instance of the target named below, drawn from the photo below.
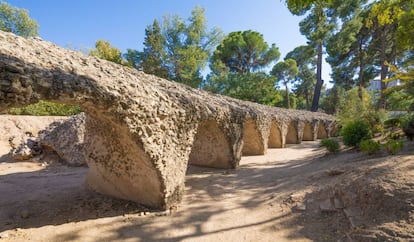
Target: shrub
(331, 145)
(393, 146)
(408, 127)
(370, 146)
(43, 108)
(393, 122)
(375, 120)
(354, 132)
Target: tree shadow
(227, 192)
(53, 194)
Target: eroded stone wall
(141, 131)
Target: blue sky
(79, 23)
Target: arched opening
(307, 132)
(117, 164)
(252, 140)
(292, 133)
(211, 147)
(275, 136)
(42, 189)
(322, 134)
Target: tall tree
(316, 26)
(150, 60)
(176, 49)
(348, 47)
(305, 58)
(244, 52)
(236, 68)
(17, 21)
(383, 20)
(104, 50)
(285, 72)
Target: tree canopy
(17, 21)
(244, 52)
(176, 49)
(285, 72)
(104, 50)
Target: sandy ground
(276, 197)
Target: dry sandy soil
(299, 193)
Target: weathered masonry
(141, 130)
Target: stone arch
(118, 164)
(211, 147)
(322, 134)
(253, 143)
(141, 127)
(275, 136)
(292, 133)
(307, 132)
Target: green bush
(44, 108)
(356, 131)
(375, 120)
(331, 145)
(393, 146)
(370, 146)
(393, 122)
(408, 126)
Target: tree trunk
(361, 72)
(319, 81)
(383, 58)
(287, 96)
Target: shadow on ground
(253, 202)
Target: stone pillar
(119, 166)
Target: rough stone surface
(66, 138)
(140, 129)
(26, 150)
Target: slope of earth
(299, 193)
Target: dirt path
(261, 201)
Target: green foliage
(305, 80)
(331, 145)
(150, 60)
(393, 147)
(395, 122)
(235, 69)
(17, 21)
(244, 52)
(334, 102)
(399, 101)
(375, 120)
(104, 50)
(176, 49)
(353, 107)
(44, 108)
(370, 146)
(285, 72)
(408, 126)
(255, 87)
(316, 26)
(356, 131)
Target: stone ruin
(142, 131)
